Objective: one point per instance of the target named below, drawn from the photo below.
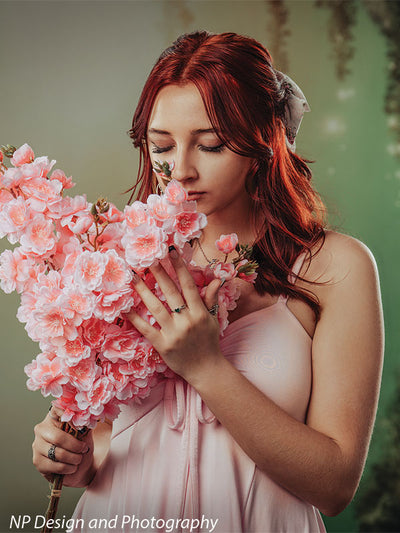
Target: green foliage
(378, 504)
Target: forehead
(180, 106)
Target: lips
(195, 195)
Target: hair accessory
(179, 309)
(295, 105)
(164, 168)
(51, 454)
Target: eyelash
(212, 149)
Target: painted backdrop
(71, 73)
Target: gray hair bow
(295, 105)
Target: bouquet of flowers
(73, 270)
(73, 267)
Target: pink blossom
(228, 295)
(66, 252)
(159, 208)
(121, 344)
(5, 196)
(112, 214)
(40, 167)
(83, 374)
(14, 217)
(93, 332)
(111, 237)
(118, 380)
(82, 224)
(224, 271)
(135, 214)
(38, 238)
(24, 154)
(80, 304)
(94, 400)
(175, 193)
(28, 305)
(227, 243)
(12, 177)
(41, 193)
(188, 225)
(72, 209)
(89, 270)
(46, 373)
(60, 176)
(144, 245)
(17, 270)
(52, 323)
(116, 273)
(73, 351)
(108, 306)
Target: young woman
(264, 426)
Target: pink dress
(170, 458)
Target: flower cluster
(73, 269)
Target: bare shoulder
(339, 255)
(342, 262)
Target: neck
(217, 226)
(239, 222)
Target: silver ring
(214, 310)
(51, 454)
(179, 309)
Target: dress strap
(294, 273)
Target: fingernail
(135, 276)
(222, 282)
(172, 252)
(85, 449)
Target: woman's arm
(320, 462)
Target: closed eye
(215, 149)
(159, 150)
(218, 148)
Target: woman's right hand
(74, 457)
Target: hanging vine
(340, 32)
(278, 33)
(386, 15)
(180, 16)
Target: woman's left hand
(188, 341)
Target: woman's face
(179, 130)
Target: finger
(189, 289)
(60, 438)
(168, 287)
(55, 415)
(48, 467)
(153, 304)
(61, 455)
(151, 333)
(211, 295)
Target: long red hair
(242, 94)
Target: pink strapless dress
(170, 458)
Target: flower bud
(8, 150)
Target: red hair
(242, 94)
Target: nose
(185, 169)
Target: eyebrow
(193, 132)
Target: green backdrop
(71, 73)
